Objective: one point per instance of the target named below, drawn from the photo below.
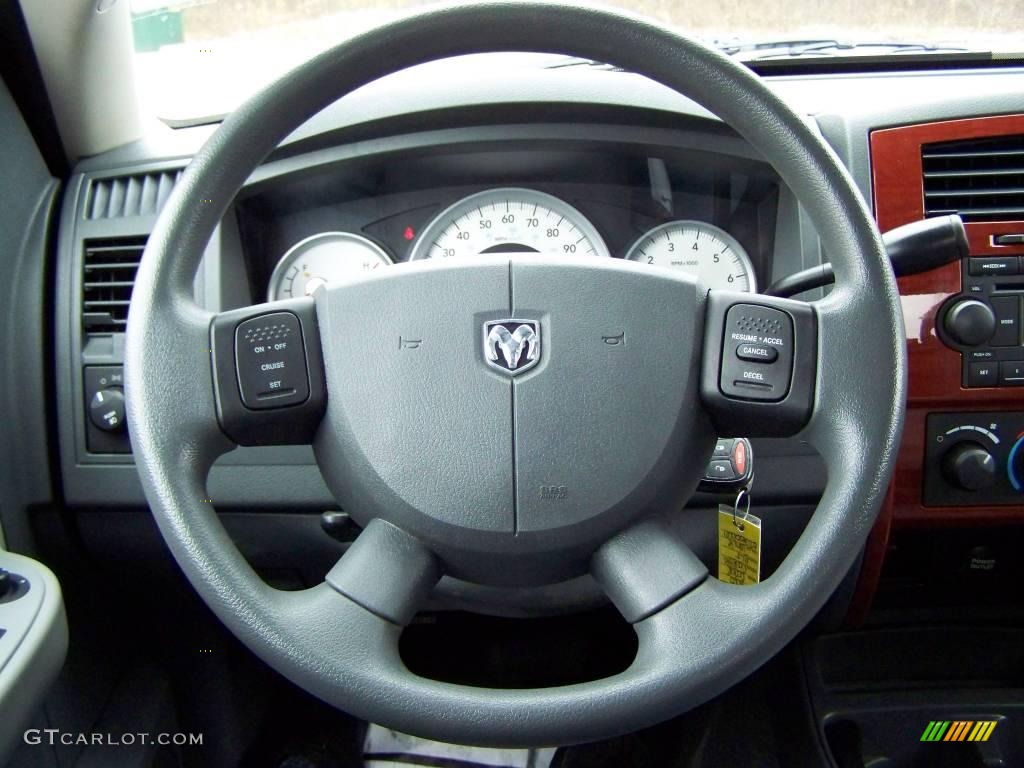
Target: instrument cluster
(708, 215)
(509, 220)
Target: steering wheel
(515, 458)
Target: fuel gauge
(322, 259)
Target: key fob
(731, 466)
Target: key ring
(743, 497)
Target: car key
(731, 466)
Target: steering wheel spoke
(760, 364)
(645, 568)
(268, 373)
(386, 571)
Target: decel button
(271, 361)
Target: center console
(959, 462)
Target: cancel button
(757, 353)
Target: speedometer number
(504, 221)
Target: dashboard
(594, 164)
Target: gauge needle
(313, 284)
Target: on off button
(271, 361)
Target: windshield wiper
(792, 48)
(564, 62)
(825, 47)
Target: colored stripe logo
(959, 730)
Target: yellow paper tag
(739, 547)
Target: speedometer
(509, 220)
(699, 248)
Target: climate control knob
(970, 323)
(970, 466)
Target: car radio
(983, 322)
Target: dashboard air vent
(142, 194)
(981, 179)
(108, 275)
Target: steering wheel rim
(342, 646)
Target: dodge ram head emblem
(512, 346)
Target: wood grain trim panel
(934, 369)
(896, 174)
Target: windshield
(201, 59)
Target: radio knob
(970, 322)
(970, 466)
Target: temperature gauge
(323, 259)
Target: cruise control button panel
(271, 361)
(268, 373)
(757, 355)
(759, 364)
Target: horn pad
(516, 412)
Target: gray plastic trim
(253, 477)
(650, 555)
(877, 99)
(28, 199)
(404, 572)
(32, 649)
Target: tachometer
(321, 259)
(509, 220)
(701, 249)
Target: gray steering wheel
(524, 479)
